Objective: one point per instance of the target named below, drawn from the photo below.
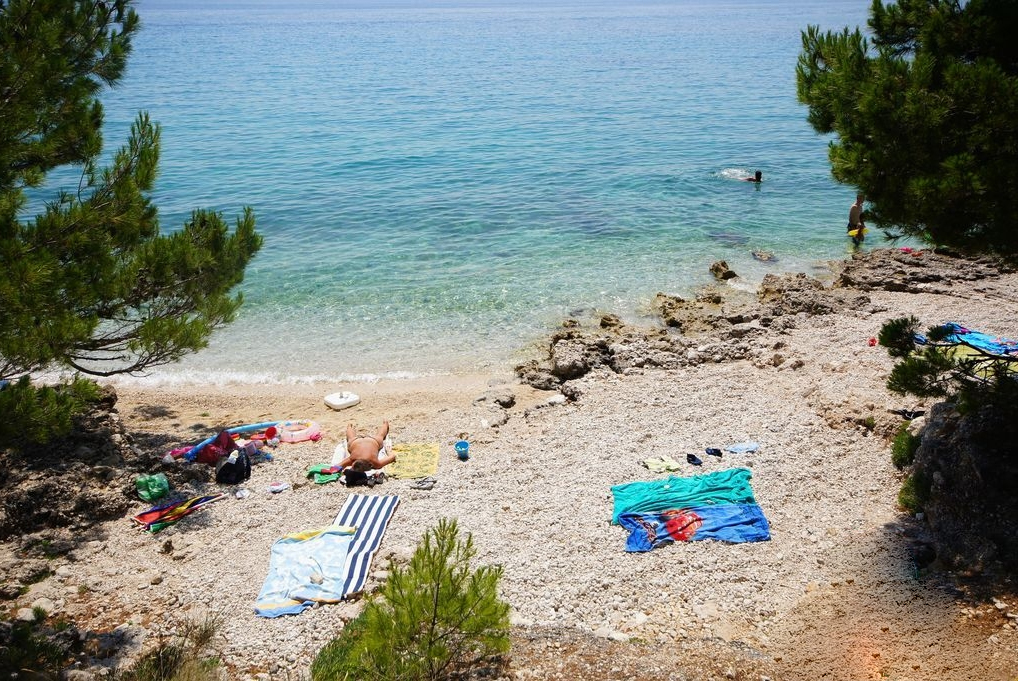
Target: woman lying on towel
(363, 450)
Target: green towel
(316, 474)
(729, 486)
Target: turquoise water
(439, 184)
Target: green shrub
(903, 448)
(433, 619)
(914, 493)
(27, 652)
(183, 659)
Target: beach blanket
(730, 486)
(414, 460)
(305, 568)
(328, 564)
(160, 517)
(717, 505)
(733, 523)
(370, 514)
(984, 342)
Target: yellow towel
(413, 460)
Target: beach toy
(298, 431)
(462, 450)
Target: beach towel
(305, 568)
(983, 342)
(414, 460)
(160, 517)
(370, 514)
(730, 486)
(717, 505)
(733, 523)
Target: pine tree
(925, 111)
(434, 619)
(91, 284)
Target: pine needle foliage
(432, 620)
(924, 107)
(91, 283)
(971, 379)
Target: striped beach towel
(370, 514)
(328, 564)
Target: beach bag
(218, 449)
(234, 469)
(152, 487)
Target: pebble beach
(833, 594)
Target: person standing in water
(856, 226)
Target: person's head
(361, 466)
(859, 198)
(758, 176)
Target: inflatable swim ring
(298, 431)
(341, 400)
(192, 453)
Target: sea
(440, 183)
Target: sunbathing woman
(362, 450)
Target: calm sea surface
(440, 183)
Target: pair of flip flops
(423, 483)
(697, 461)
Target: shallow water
(439, 184)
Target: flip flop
(714, 451)
(693, 459)
(423, 483)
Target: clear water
(440, 183)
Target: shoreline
(833, 594)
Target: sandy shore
(834, 594)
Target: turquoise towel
(729, 486)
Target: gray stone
(44, 604)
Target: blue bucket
(463, 450)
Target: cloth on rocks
(730, 486)
(370, 514)
(660, 464)
(984, 342)
(742, 447)
(323, 472)
(159, 518)
(734, 523)
(305, 568)
(414, 460)
(328, 564)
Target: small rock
(25, 615)
(156, 579)
(556, 400)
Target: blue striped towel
(370, 514)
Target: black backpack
(235, 466)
